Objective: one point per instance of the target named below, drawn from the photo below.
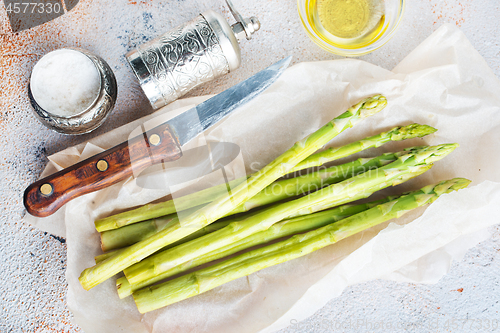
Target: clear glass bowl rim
(301, 7)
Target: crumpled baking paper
(444, 83)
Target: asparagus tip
(411, 131)
(460, 183)
(372, 105)
(450, 185)
(447, 148)
(433, 153)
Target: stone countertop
(32, 283)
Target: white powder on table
(65, 82)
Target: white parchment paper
(443, 83)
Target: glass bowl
(373, 39)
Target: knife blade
(160, 144)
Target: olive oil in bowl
(349, 24)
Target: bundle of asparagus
(151, 211)
(223, 205)
(205, 279)
(149, 244)
(406, 166)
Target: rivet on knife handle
(47, 195)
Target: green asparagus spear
(398, 133)
(155, 210)
(201, 232)
(205, 279)
(104, 256)
(93, 276)
(358, 187)
(151, 211)
(130, 237)
(292, 187)
(282, 229)
(125, 236)
(131, 234)
(277, 191)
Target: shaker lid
(230, 36)
(244, 27)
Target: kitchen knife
(160, 144)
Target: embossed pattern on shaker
(184, 58)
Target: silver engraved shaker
(189, 55)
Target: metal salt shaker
(91, 118)
(190, 55)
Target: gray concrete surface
(32, 283)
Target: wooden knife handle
(47, 195)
